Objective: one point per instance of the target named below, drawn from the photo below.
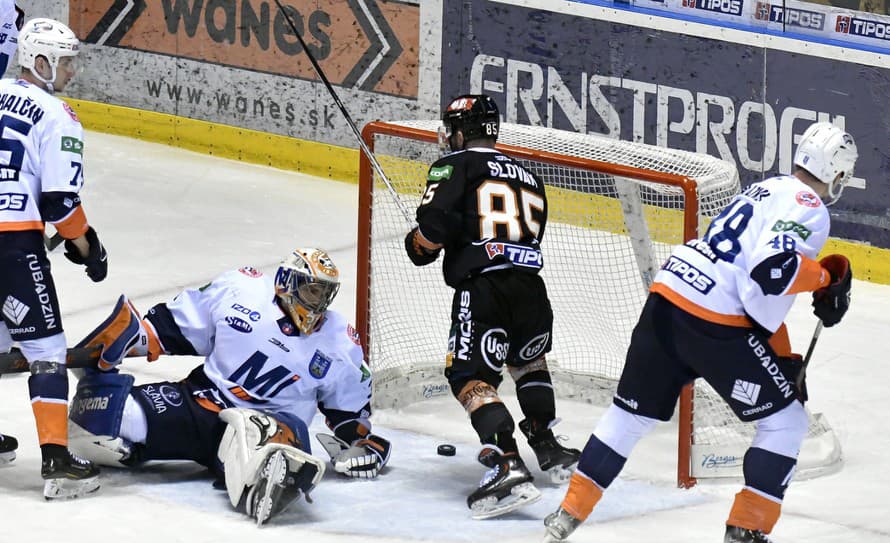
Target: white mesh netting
(606, 235)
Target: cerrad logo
(371, 45)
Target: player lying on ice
(274, 353)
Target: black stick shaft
(361, 142)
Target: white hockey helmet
(829, 154)
(47, 38)
(307, 282)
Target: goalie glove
(831, 303)
(363, 459)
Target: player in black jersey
(488, 213)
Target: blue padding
(98, 405)
(49, 386)
(768, 472)
(600, 463)
(297, 426)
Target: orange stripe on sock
(581, 497)
(754, 512)
(52, 422)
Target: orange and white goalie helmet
(307, 282)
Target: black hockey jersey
(488, 212)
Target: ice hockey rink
(172, 219)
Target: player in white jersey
(11, 18)
(274, 356)
(41, 175)
(716, 311)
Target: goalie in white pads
(275, 355)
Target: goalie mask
(474, 115)
(829, 154)
(49, 39)
(306, 283)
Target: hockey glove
(419, 255)
(831, 303)
(96, 261)
(363, 459)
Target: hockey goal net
(615, 210)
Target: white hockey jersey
(717, 278)
(43, 150)
(258, 360)
(9, 34)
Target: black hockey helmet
(475, 115)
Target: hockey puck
(446, 450)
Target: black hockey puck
(446, 450)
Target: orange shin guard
(754, 512)
(582, 496)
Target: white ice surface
(171, 219)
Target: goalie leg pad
(119, 333)
(97, 410)
(252, 449)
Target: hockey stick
(806, 359)
(52, 242)
(361, 142)
(77, 358)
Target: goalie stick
(361, 142)
(77, 358)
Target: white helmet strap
(47, 82)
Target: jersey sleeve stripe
(810, 276)
(73, 225)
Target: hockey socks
(598, 467)
(754, 512)
(758, 505)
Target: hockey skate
(560, 525)
(281, 483)
(556, 461)
(734, 534)
(506, 486)
(8, 445)
(68, 476)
